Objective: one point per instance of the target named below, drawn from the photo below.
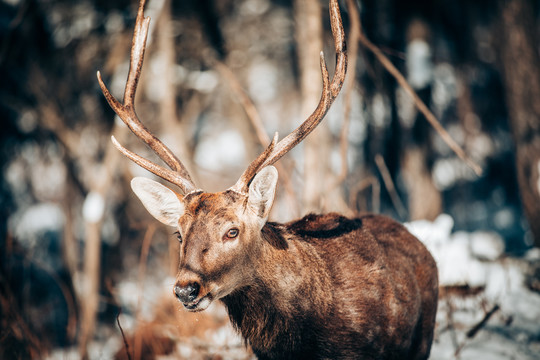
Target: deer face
(219, 234)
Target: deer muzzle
(187, 294)
(192, 296)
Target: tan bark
(308, 18)
(172, 129)
(425, 201)
(521, 67)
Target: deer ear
(262, 191)
(160, 201)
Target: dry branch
(126, 345)
(387, 179)
(474, 330)
(375, 194)
(430, 117)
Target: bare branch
(430, 117)
(387, 179)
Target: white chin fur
(202, 305)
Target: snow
(448, 171)
(381, 116)
(254, 7)
(203, 81)
(29, 225)
(93, 207)
(27, 121)
(486, 245)
(445, 89)
(504, 218)
(263, 81)
(222, 151)
(476, 261)
(419, 66)
(225, 336)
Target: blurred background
(85, 272)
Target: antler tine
(166, 174)
(126, 112)
(329, 93)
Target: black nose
(187, 293)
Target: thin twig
(451, 326)
(375, 194)
(430, 117)
(387, 179)
(126, 345)
(474, 330)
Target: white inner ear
(160, 201)
(262, 191)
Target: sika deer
(322, 287)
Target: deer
(321, 287)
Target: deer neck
(282, 296)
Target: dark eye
(178, 236)
(232, 233)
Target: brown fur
(322, 287)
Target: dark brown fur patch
(273, 234)
(324, 226)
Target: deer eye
(231, 234)
(178, 236)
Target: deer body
(328, 287)
(322, 287)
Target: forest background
(79, 255)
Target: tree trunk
(309, 42)
(521, 67)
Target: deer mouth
(200, 304)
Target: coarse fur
(361, 288)
(322, 287)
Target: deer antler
(329, 93)
(178, 175)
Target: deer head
(219, 232)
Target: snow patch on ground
(475, 261)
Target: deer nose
(187, 293)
